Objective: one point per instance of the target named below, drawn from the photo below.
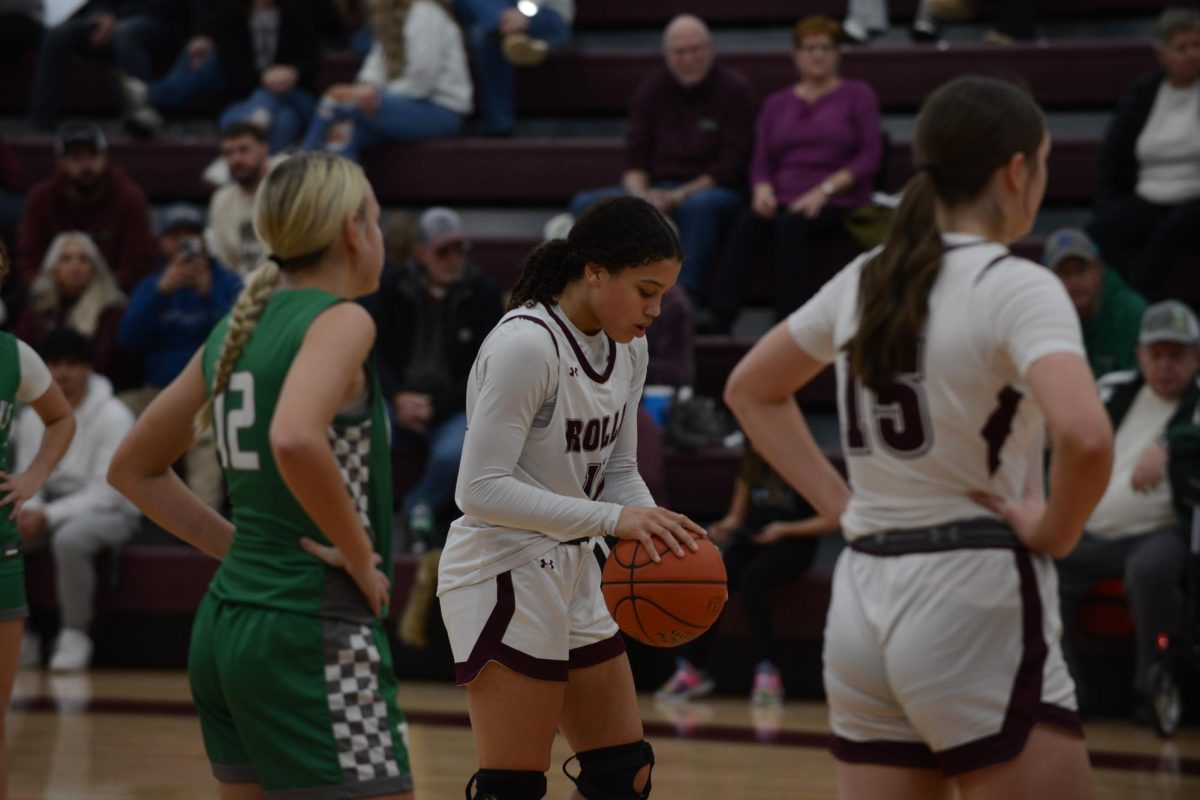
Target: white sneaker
(558, 226)
(72, 651)
(217, 174)
(134, 92)
(31, 651)
(855, 31)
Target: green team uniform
(291, 673)
(12, 567)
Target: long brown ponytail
(616, 233)
(966, 130)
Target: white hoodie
(79, 484)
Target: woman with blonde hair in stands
(942, 660)
(76, 289)
(414, 84)
(289, 665)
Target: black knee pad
(607, 773)
(507, 784)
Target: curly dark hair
(616, 233)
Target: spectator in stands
(690, 131)
(231, 232)
(671, 342)
(133, 31)
(76, 291)
(1109, 311)
(266, 51)
(399, 238)
(817, 148)
(11, 176)
(505, 35)
(432, 313)
(768, 537)
(169, 317)
(868, 18)
(76, 507)
(20, 26)
(414, 84)
(88, 194)
(1137, 532)
(1148, 175)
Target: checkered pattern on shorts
(352, 449)
(366, 751)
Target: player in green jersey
(24, 378)
(289, 664)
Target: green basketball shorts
(304, 706)
(13, 604)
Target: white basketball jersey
(564, 405)
(961, 418)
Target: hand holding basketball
(642, 524)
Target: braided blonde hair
(299, 212)
(390, 19)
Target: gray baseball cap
(181, 215)
(1068, 243)
(1169, 321)
(440, 226)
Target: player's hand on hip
(643, 524)
(1023, 514)
(373, 583)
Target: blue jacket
(168, 329)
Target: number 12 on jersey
(227, 429)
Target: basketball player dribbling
(24, 378)
(289, 664)
(942, 659)
(549, 463)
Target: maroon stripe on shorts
(1061, 717)
(490, 647)
(1025, 706)
(915, 755)
(597, 652)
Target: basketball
(664, 603)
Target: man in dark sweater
(87, 193)
(691, 129)
(432, 313)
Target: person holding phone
(170, 314)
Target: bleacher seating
(597, 82)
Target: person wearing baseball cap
(1137, 531)
(1109, 311)
(87, 193)
(432, 313)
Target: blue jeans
(398, 118)
(497, 76)
(289, 114)
(702, 219)
(134, 41)
(445, 442)
(183, 84)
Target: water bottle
(420, 527)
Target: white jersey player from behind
(550, 461)
(942, 658)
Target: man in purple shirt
(691, 128)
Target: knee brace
(607, 773)
(506, 784)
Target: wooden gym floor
(134, 736)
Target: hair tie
(278, 261)
(933, 170)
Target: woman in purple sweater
(817, 149)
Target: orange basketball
(667, 603)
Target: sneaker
(523, 50)
(768, 685)
(686, 683)
(925, 29)
(855, 31)
(559, 226)
(31, 651)
(72, 651)
(217, 174)
(134, 93)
